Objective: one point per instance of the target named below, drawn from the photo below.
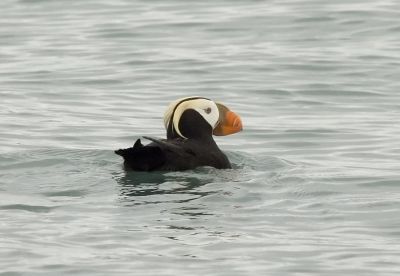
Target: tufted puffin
(190, 123)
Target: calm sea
(316, 184)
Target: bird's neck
(193, 126)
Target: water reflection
(138, 188)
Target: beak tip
(230, 123)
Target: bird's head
(196, 117)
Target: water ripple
(314, 185)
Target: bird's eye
(208, 110)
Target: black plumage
(199, 149)
(190, 147)
(172, 155)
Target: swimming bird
(190, 123)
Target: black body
(174, 154)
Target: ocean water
(315, 188)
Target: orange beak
(229, 122)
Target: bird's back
(173, 155)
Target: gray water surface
(315, 188)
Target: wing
(142, 158)
(158, 155)
(166, 145)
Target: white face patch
(206, 108)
